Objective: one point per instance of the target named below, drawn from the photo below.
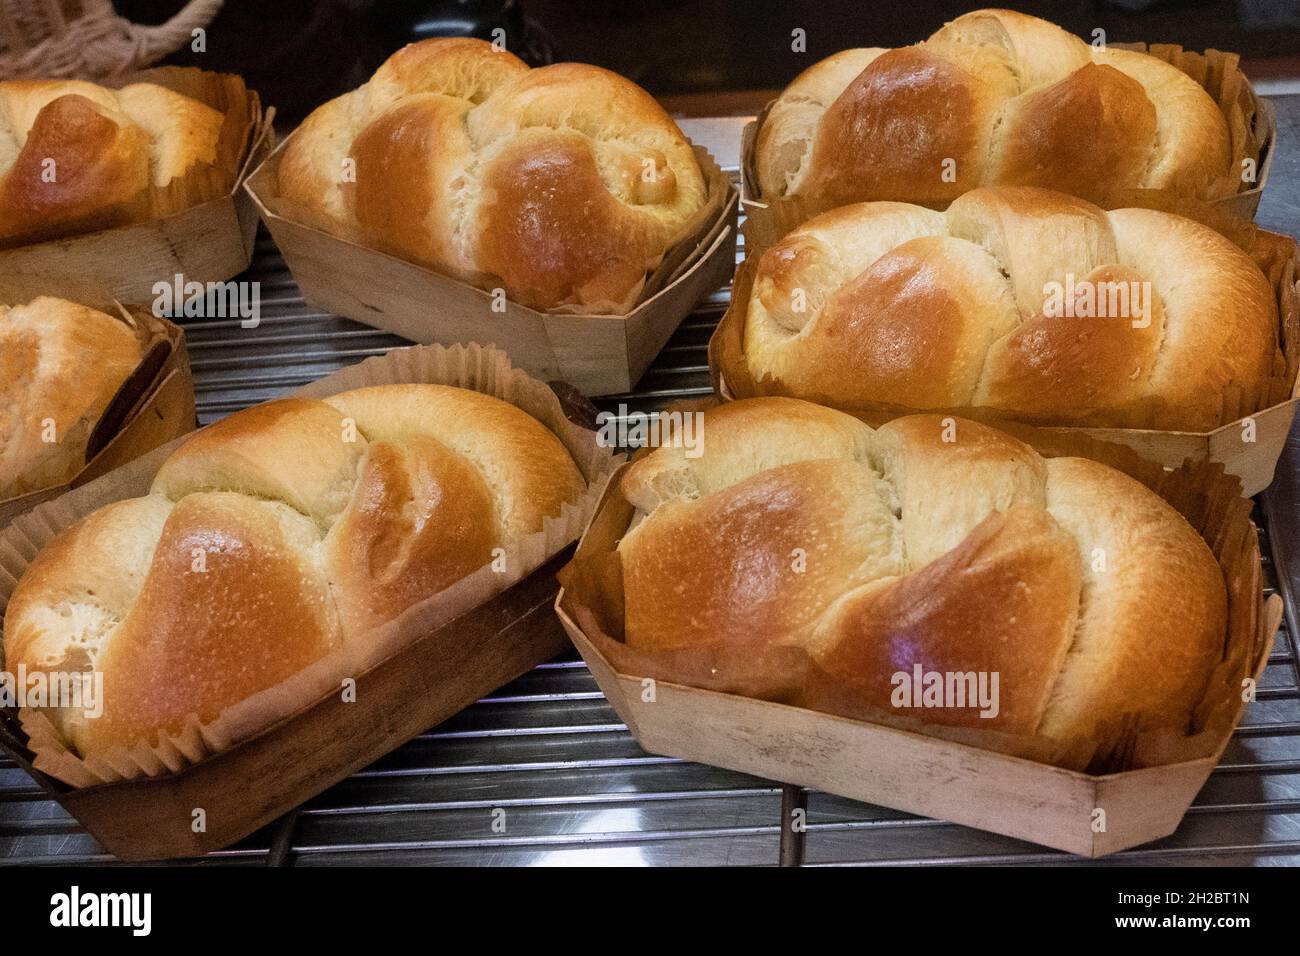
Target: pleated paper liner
(1252, 133)
(1253, 423)
(200, 225)
(265, 714)
(340, 270)
(152, 407)
(779, 717)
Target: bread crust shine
(272, 537)
(932, 543)
(75, 156)
(993, 98)
(1034, 304)
(564, 185)
(61, 363)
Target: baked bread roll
(931, 542)
(563, 185)
(273, 537)
(75, 156)
(993, 98)
(60, 365)
(1032, 303)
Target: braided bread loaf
(966, 555)
(1007, 98)
(273, 537)
(75, 156)
(1033, 303)
(60, 365)
(563, 184)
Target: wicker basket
(87, 39)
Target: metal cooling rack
(548, 749)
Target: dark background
(302, 52)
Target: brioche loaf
(75, 156)
(564, 185)
(273, 537)
(966, 555)
(995, 97)
(897, 305)
(60, 365)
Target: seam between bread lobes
(876, 551)
(897, 305)
(273, 537)
(1011, 99)
(564, 184)
(61, 363)
(76, 154)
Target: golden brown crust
(87, 156)
(1057, 365)
(526, 468)
(732, 563)
(421, 519)
(274, 536)
(1004, 601)
(899, 332)
(57, 620)
(1033, 303)
(1137, 565)
(1090, 131)
(79, 168)
(993, 98)
(890, 132)
(232, 604)
(933, 543)
(555, 230)
(563, 185)
(393, 155)
(294, 450)
(60, 365)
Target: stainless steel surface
(549, 758)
